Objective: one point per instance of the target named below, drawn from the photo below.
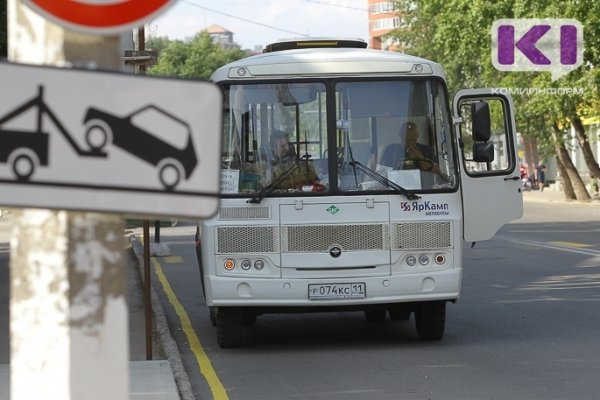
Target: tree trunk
(531, 155)
(570, 171)
(584, 144)
(566, 182)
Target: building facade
(221, 36)
(382, 20)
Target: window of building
(383, 7)
(384, 23)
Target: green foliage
(157, 43)
(457, 34)
(197, 58)
(454, 33)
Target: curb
(167, 341)
(535, 199)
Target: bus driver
(409, 153)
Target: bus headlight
(411, 261)
(246, 264)
(259, 264)
(423, 259)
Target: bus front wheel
(230, 327)
(430, 319)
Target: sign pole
(140, 69)
(68, 308)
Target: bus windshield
(336, 137)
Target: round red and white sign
(99, 16)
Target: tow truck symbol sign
(24, 151)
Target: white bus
(354, 215)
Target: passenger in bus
(281, 148)
(409, 153)
(295, 173)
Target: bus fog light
(246, 264)
(259, 264)
(440, 259)
(229, 264)
(423, 259)
(411, 260)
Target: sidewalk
(163, 378)
(553, 195)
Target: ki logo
(554, 45)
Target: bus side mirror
(481, 128)
(483, 149)
(483, 152)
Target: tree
(457, 34)
(454, 33)
(197, 58)
(573, 184)
(157, 43)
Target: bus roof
(326, 62)
(314, 42)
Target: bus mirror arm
(384, 181)
(257, 198)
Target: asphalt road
(526, 327)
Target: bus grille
(319, 238)
(247, 239)
(421, 235)
(236, 213)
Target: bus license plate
(324, 291)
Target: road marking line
(173, 259)
(206, 368)
(571, 244)
(549, 245)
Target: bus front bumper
(236, 291)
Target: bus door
(490, 181)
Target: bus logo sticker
(332, 209)
(429, 208)
(335, 251)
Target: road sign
(100, 141)
(99, 16)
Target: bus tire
(213, 315)
(230, 332)
(430, 319)
(249, 318)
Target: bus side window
(484, 137)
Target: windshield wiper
(257, 198)
(383, 180)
